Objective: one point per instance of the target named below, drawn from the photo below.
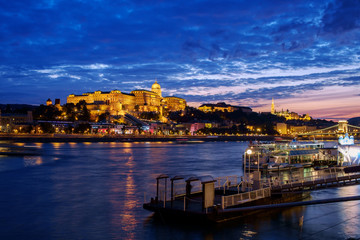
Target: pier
(225, 198)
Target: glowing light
(346, 140)
(249, 151)
(351, 154)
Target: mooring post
(165, 189)
(172, 192)
(157, 190)
(184, 203)
(164, 198)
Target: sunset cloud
(244, 53)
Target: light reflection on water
(130, 201)
(96, 190)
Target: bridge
(337, 130)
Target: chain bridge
(337, 130)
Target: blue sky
(305, 54)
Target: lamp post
(244, 162)
(249, 152)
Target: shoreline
(45, 138)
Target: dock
(222, 199)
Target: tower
(156, 88)
(48, 102)
(343, 126)
(272, 107)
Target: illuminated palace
(223, 107)
(288, 115)
(116, 102)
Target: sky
(305, 54)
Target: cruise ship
(286, 155)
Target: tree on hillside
(47, 127)
(82, 128)
(49, 113)
(103, 117)
(150, 116)
(69, 110)
(83, 114)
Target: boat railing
(226, 181)
(179, 187)
(240, 198)
(331, 173)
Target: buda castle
(116, 102)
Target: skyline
(304, 54)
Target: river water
(96, 191)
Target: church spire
(272, 106)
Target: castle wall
(174, 103)
(117, 103)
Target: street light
(249, 151)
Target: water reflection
(123, 214)
(96, 191)
(72, 144)
(30, 161)
(57, 145)
(351, 214)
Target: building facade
(118, 103)
(288, 115)
(173, 104)
(223, 107)
(10, 122)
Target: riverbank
(120, 138)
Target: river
(96, 191)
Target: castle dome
(156, 85)
(156, 88)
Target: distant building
(10, 121)
(116, 102)
(223, 107)
(301, 129)
(288, 115)
(273, 107)
(48, 102)
(194, 127)
(173, 104)
(146, 101)
(282, 128)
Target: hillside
(354, 121)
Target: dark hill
(16, 108)
(354, 121)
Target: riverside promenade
(126, 138)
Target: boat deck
(228, 202)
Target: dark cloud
(55, 48)
(341, 16)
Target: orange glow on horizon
(330, 103)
